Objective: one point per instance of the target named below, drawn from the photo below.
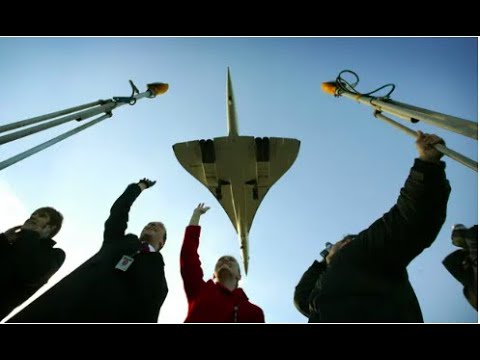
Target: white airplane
(238, 170)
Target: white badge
(124, 263)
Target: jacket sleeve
(414, 222)
(190, 265)
(306, 285)
(116, 224)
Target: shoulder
(58, 256)
(257, 312)
(256, 308)
(160, 260)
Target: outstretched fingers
(201, 208)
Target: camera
(324, 253)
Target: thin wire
(344, 85)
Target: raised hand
(425, 146)
(199, 211)
(146, 183)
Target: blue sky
(349, 170)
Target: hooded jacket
(209, 301)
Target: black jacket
(96, 291)
(25, 266)
(367, 280)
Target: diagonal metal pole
(14, 159)
(52, 115)
(77, 116)
(442, 148)
(105, 106)
(461, 126)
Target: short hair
(350, 237)
(56, 219)
(165, 229)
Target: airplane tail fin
(231, 112)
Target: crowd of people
(360, 278)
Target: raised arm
(414, 222)
(190, 265)
(305, 286)
(116, 224)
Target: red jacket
(209, 301)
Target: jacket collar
(33, 236)
(238, 292)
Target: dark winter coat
(98, 292)
(25, 266)
(209, 301)
(367, 279)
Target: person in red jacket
(217, 300)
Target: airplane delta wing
(238, 172)
(198, 157)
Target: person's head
(155, 234)
(338, 245)
(227, 268)
(45, 221)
